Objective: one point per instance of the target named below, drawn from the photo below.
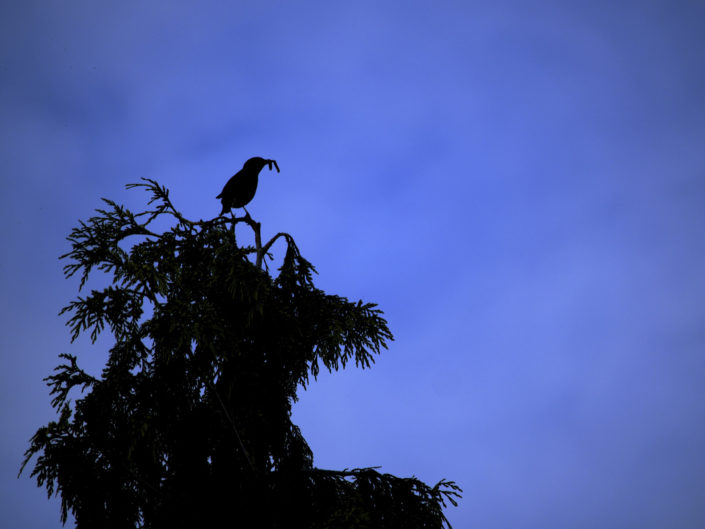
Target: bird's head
(257, 163)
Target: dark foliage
(190, 422)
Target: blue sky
(519, 185)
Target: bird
(241, 188)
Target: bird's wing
(230, 183)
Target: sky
(519, 185)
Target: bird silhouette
(241, 188)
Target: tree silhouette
(189, 424)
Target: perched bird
(241, 188)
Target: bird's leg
(247, 213)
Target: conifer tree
(189, 424)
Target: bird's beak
(270, 162)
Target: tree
(189, 424)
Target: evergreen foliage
(189, 424)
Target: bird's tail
(225, 210)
